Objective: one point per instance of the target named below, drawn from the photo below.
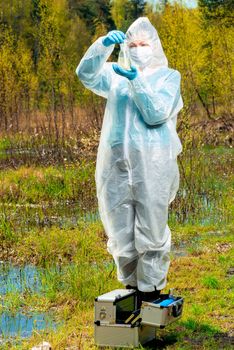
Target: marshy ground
(54, 260)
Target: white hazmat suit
(137, 175)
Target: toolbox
(122, 335)
(115, 306)
(163, 311)
(118, 322)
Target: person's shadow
(196, 339)
(161, 342)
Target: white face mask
(141, 55)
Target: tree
(89, 10)
(17, 80)
(217, 24)
(136, 8)
(125, 12)
(217, 11)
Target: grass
(74, 267)
(39, 184)
(44, 196)
(69, 288)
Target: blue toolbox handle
(167, 302)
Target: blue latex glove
(130, 74)
(114, 37)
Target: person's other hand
(114, 37)
(130, 74)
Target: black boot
(130, 287)
(148, 296)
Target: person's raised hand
(114, 37)
(130, 74)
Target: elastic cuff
(103, 43)
(132, 279)
(131, 79)
(101, 46)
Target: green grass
(70, 285)
(5, 143)
(211, 282)
(74, 265)
(30, 196)
(40, 184)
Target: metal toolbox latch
(177, 308)
(102, 313)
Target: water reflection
(21, 324)
(19, 279)
(61, 214)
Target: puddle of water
(179, 250)
(19, 279)
(182, 248)
(66, 214)
(208, 210)
(178, 253)
(21, 324)
(61, 214)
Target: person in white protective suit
(137, 175)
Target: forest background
(42, 42)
